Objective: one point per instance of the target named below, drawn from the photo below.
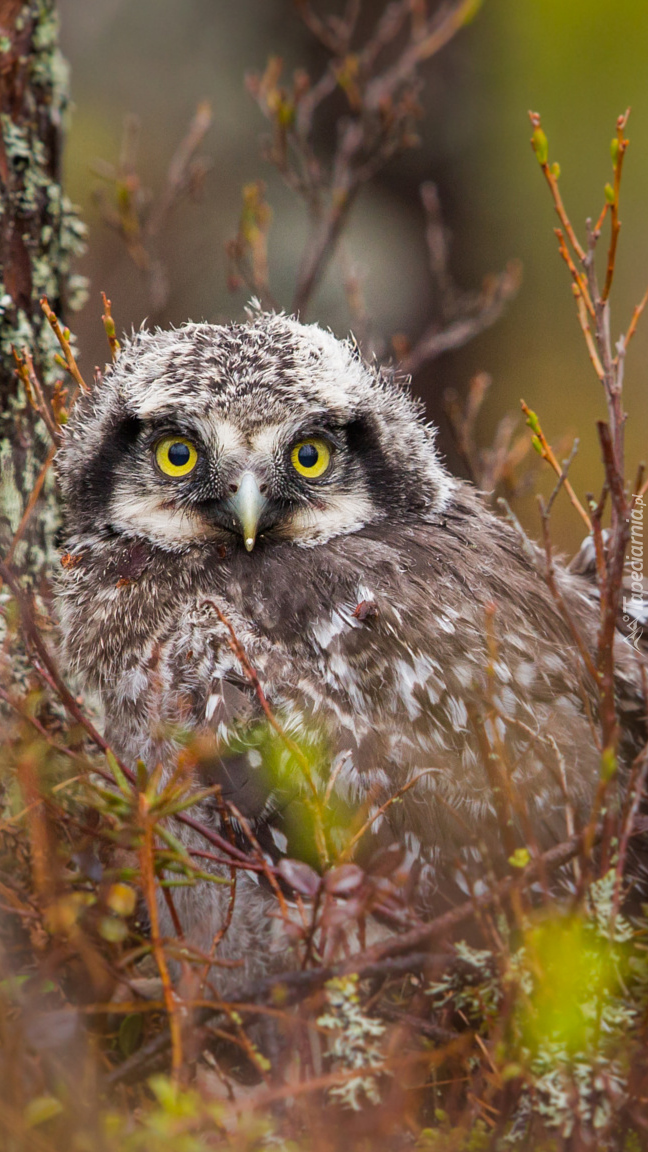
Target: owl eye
(311, 458)
(175, 456)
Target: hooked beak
(247, 506)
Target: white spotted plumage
(364, 606)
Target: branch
(63, 337)
(147, 875)
(294, 749)
(31, 503)
(395, 955)
(618, 154)
(497, 292)
(544, 449)
(109, 327)
(50, 673)
(540, 146)
(179, 171)
(27, 373)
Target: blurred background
(578, 63)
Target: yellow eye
(311, 458)
(175, 456)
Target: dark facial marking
(96, 483)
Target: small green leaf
(555, 170)
(520, 858)
(142, 775)
(113, 929)
(121, 780)
(40, 1109)
(12, 985)
(532, 421)
(540, 146)
(614, 150)
(609, 194)
(122, 899)
(130, 1033)
(165, 1091)
(172, 842)
(537, 444)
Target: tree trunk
(40, 234)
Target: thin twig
(27, 373)
(348, 849)
(237, 648)
(587, 332)
(147, 876)
(31, 503)
(51, 674)
(487, 309)
(580, 282)
(109, 327)
(539, 143)
(401, 953)
(179, 167)
(63, 337)
(635, 794)
(636, 315)
(548, 454)
(621, 148)
(562, 478)
(550, 576)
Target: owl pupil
(308, 455)
(179, 455)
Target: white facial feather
(147, 516)
(342, 514)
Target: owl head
(249, 433)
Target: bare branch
(496, 294)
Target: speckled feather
(408, 686)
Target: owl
(262, 480)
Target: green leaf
(142, 775)
(532, 421)
(122, 899)
(130, 1033)
(537, 444)
(165, 1091)
(12, 985)
(172, 841)
(40, 1109)
(520, 858)
(614, 150)
(122, 782)
(609, 194)
(540, 146)
(113, 929)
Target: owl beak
(247, 505)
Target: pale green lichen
(10, 497)
(37, 199)
(355, 1043)
(578, 983)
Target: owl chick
(264, 473)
